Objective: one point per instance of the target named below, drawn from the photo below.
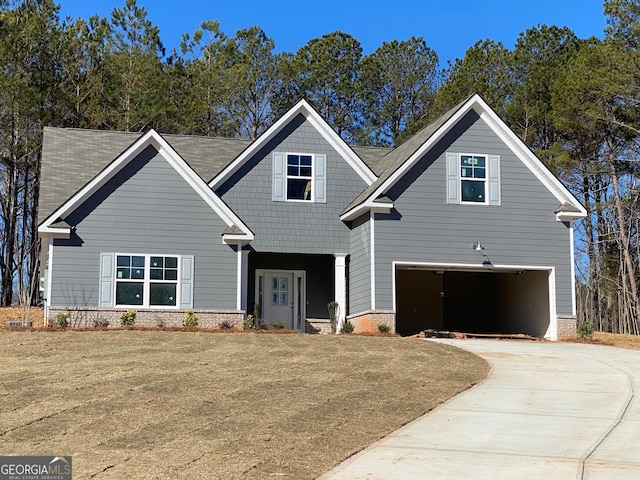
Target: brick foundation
(566, 326)
(317, 325)
(93, 317)
(367, 322)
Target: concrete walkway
(546, 410)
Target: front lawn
(189, 405)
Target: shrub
(333, 315)
(190, 319)
(347, 327)
(256, 315)
(248, 323)
(383, 328)
(586, 329)
(277, 326)
(128, 318)
(100, 323)
(62, 319)
(226, 325)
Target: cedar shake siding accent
(360, 266)
(146, 208)
(424, 228)
(293, 227)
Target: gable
(405, 156)
(143, 209)
(302, 108)
(71, 158)
(293, 226)
(180, 169)
(424, 186)
(144, 198)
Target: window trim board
(491, 181)
(184, 281)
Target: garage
(486, 301)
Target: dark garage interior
(484, 302)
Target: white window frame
(484, 180)
(492, 180)
(311, 178)
(280, 177)
(146, 281)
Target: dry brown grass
(33, 314)
(617, 340)
(185, 405)
(610, 339)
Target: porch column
(340, 292)
(243, 274)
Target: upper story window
(299, 177)
(473, 179)
(146, 280)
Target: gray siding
(293, 227)
(145, 208)
(360, 266)
(424, 228)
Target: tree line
(573, 101)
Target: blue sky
(449, 27)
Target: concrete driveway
(546, 410)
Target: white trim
(470, 267)
(340, 287)
(311, 178)
(573, 267)
(54, 232)
(48, 284)
(552, 330)
(393, 285)
(372, 245)
(484, 180)
(242, 278)
(523, 152)
(503, 132)
(568, 216)
(147, 280)
(171, 156)
(302, 107)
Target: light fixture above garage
(478, 247)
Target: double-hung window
(299, 177)
(473, 179)
(146, 280)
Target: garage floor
(472, 301)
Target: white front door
(279, 298)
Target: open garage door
(496, 301)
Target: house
(459, 228)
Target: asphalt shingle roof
(398, 156)
(72, 157)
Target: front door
(278, 306)
(280, 295)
